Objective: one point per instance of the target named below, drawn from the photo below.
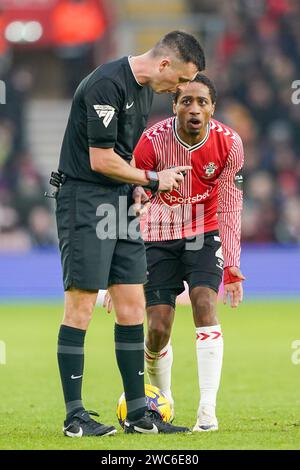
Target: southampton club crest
(210, 170)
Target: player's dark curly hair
(201, 78)
(184, 45)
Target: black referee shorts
(198, 261)
(96, 249)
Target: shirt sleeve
(144, 154)
(103, 102)
(230, 202)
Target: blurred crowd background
(253, 56)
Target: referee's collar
(187, 146)
(129, 57)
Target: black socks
(129, 342)
(70, 357)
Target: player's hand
(107, 302)
(170, 179)
(141, 201)
(234, 290)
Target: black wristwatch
(153, 178)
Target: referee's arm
(103, 102)
(109, 163)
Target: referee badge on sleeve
(106, 112)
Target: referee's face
(171, 75)
(193, 109)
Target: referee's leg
(86, 261)
(79, 305)
(129, 304)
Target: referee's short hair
(201, 78)
(184, 45)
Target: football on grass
(156, 401)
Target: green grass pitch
(258, 403)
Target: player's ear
(174, 108)
(164, 63)
(213, 109)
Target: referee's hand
(107, 302)
(141, 201)
(171, 179)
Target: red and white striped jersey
(209, 198)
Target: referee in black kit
(108, 115)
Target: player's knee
(158, 334)
(204, 310)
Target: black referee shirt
(109, 110)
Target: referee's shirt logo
(106, 112)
